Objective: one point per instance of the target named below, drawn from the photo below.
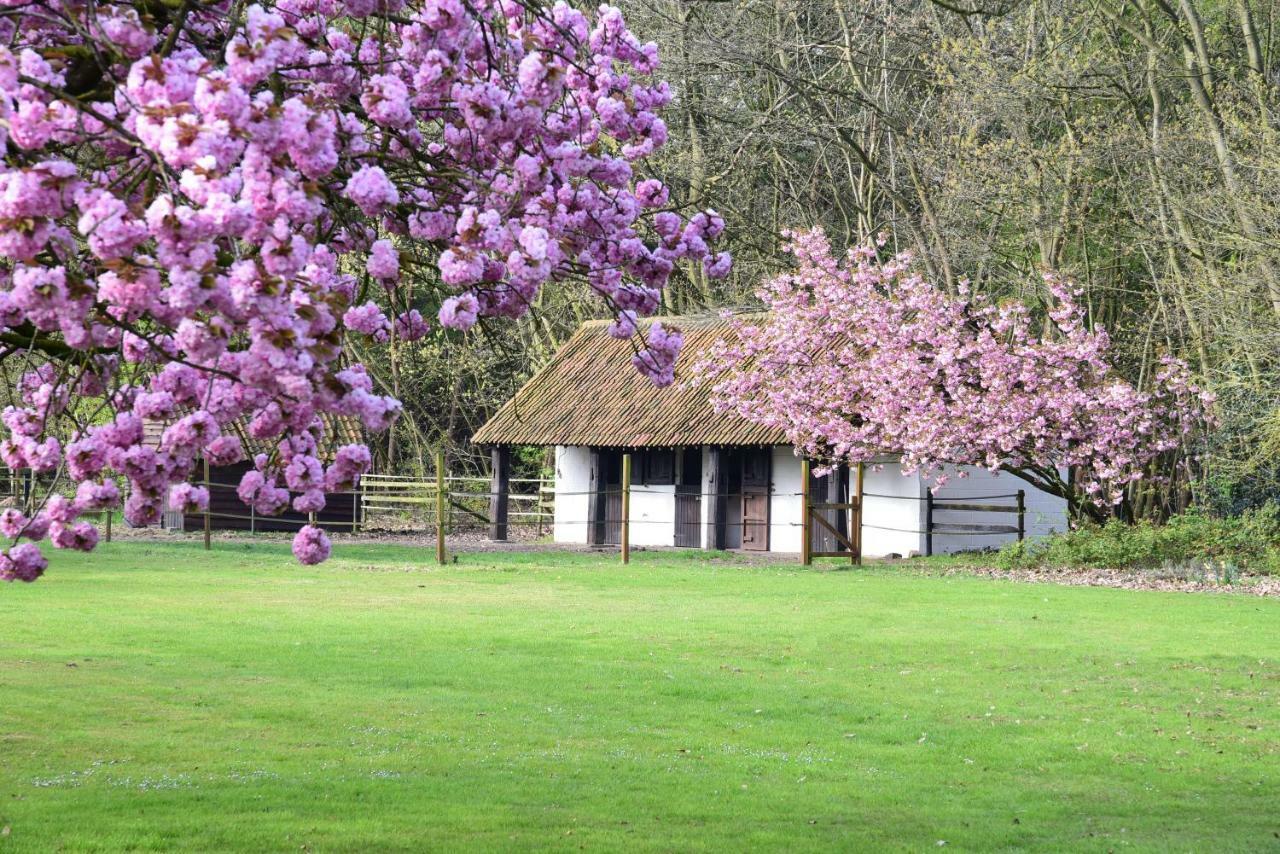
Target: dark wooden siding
(228, 513)
(689, 499)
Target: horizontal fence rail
(447, 503)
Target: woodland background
(1131, 145)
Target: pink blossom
(718, 266)
(184, 243)
(188, 498)
(22, 563)
(459, 312)
(81, 536)
(384, 261)
(412, 325)
(311, 545)
(97, 496)
(372, 190)
(367, 319)
(12, 523)
(859, 358)
(310, 501)
(225, 450)
(658, 359)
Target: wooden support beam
(806, 526)
(856, 521)
(928, 522)
(500, 493)
(626, 508)
(717, 506)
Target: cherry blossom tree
(201, 199)
(858, 358)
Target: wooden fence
(466, 500)
(931, 526)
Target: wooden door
(756, 472)
(689, 499)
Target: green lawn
(154, 696)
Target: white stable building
(702, 479)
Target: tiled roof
(589, 394)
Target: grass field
(154, 696)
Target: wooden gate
(821, 533)
(689, 499)
(831, 491)
(756, 471)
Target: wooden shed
(701, 478)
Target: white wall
(708, 487)
(653, 507)
(1045, 513)
(785, 503)
(653, 515)
(904, 512)
(574, 482)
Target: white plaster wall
(733, 527)
(785, 505)
(708, 488)
(653, 515)
(903, 512)
(1045, 513)
(574, 482)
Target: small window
(658, 467)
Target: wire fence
(451, 503)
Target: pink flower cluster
(196, 209)
(858, 359)
(311, 545)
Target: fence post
(928, 523)
(537, 506)
(857, 518)
(1022, 514)
(806, 529)
(440, 507)
(626, 508)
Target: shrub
(1248, 542)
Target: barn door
(606, 529)
(756, 471)
(689, 499)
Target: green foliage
(1188, 544)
